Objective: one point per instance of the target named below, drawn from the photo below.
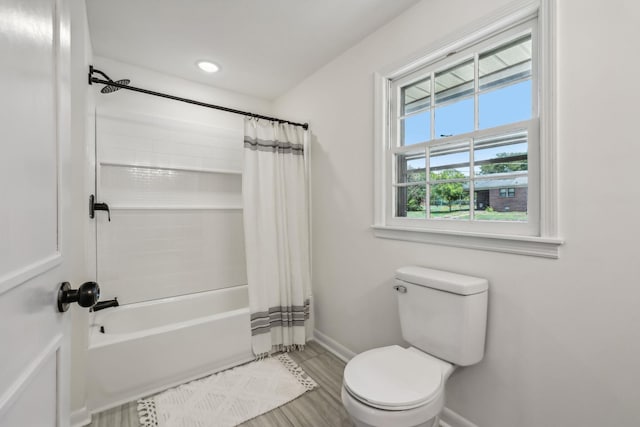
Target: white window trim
(547, 243)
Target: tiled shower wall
(174, 190)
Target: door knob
(86, 295)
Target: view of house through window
(463, 134)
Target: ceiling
(263, 47)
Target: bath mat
(227, 398)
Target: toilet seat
(394, 378)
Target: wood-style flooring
(321, 407)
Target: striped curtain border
(283, 316)
(256, 144)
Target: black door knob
(86, 295)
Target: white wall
(563, 336)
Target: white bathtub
(150, 346)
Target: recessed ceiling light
(207, 66)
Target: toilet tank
(443, 314)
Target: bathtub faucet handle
(105, 304)
(95, 206)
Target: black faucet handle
(97, 206)
(105, 304)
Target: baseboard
(448, 418)
(80, 417)
(340, 351)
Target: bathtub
(150, 346)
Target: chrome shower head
(111, 88)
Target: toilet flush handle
(400, 288)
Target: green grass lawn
(501, 216)
(441, 213)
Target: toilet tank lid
(442, 280)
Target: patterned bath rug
(228, 398)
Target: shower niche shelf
(176, 207)
(171, 168)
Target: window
(460, 140)
(507, 192)
(462, 129)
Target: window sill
(520, 245)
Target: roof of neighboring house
(511, 181)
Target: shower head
(109, 84)
(112, 88)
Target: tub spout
(101, 305)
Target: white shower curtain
(276, 227)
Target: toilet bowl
(395, 387)
(443, 317)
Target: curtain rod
(111, 86)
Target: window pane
(416, 96)
(505, 105)
(416, 129)
(453, 87)
(410, 167)
(501, 199)
(506, 64)
(410, 201)
(501, 154)
(449, 201)
(455, 118)
(454, 83)
(449, 161)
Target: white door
(34, 198)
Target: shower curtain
(276, 227)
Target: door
(34, 198)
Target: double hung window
(465, 139)
(462, 130)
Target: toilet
(443, 317)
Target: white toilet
(443, 316)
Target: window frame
(539, 236)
